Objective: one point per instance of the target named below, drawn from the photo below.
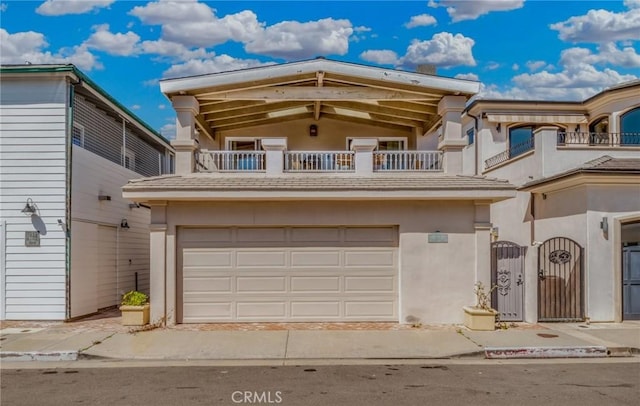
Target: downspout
(66, 228)
(476, 139)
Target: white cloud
(136, 107)
(382, 56)
(114, 44)
(515, 66)
(443, 50)
(601, 26)
(361, 28)
(421, 20)
(632, 3)
(214, 64)
(608, 54)
(29, 47)
(173, 50)
(168, 131)
(162, 106)
(195, 24)
(296, 40)
(492, 65)
(467, 76)
(3, 7)
(535, 65)
(63, 7)
(470, 10)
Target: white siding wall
(32, 165)
(94, 176)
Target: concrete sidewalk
(69, 341)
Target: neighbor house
(70, 244)
(567, 248)
(318, 191)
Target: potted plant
(135, 308)
(481, 316)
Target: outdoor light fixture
(29, 208)
(604, 225)
(499, 127)
(124, 223)
(313, 130)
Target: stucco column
(545, 147)
(157, 261)
(157, 239)
(482, 227)
(170, 279)
(451, 141)
(185, 144)
(363, 148)
(274, 148)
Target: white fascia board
(192, 195)
(298, 68)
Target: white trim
(3, 268)
(448, 85)
(404, 140)
(524, 118)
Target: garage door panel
(271, 284)
(308, 258)
(261, 259)
(210, 284)
(202, 312)
(318, 309)
(313, 274)
(264, 310)
(356, 309)
(370, 258)
(207, 235)
(315, 234)
(207, 257)
(362, 284)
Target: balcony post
(186, 143)
(451, 144)
(274, 155)
(363, 148)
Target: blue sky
(533, 49)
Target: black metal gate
(507, 275)
(560, 280)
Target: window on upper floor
(600, 126)
(243, 144)
(630, 127)
(78, 135)
(520, 140)
(128, 159)
(471, 135)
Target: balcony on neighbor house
(513, 151)
(593, 139)
(320, 161)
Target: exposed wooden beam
(317, 104)
(315, 94)
(254, 109)
(357, 81)
(410, 106)
(204, 127)
(273, 120)
(374, 108)
(374, 117)
(364, 121)
(257, 84)
(210, 107)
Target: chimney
(427, 69)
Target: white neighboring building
(70, 244)
(567, 247)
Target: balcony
(513, 151)
(598, 139)
(319, 161)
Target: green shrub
(134, 298)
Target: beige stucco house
(318, 191)
(567, 247)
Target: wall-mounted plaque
(31, 239)
(438, 238)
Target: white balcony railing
(230, 161)
(599, 139)
(319, 161)
(414, 161)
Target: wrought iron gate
(507, 274)
(560, 280)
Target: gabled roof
(604, 165)
(316, 89)
(84, 82)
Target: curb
(39, 356)
(546, 352)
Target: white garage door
(288, 274)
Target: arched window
(599, 131)
(630, 127)
(520, 140)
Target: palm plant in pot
(481, 316)
(135, 308)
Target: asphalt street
(550, 383)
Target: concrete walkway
(109, 340)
